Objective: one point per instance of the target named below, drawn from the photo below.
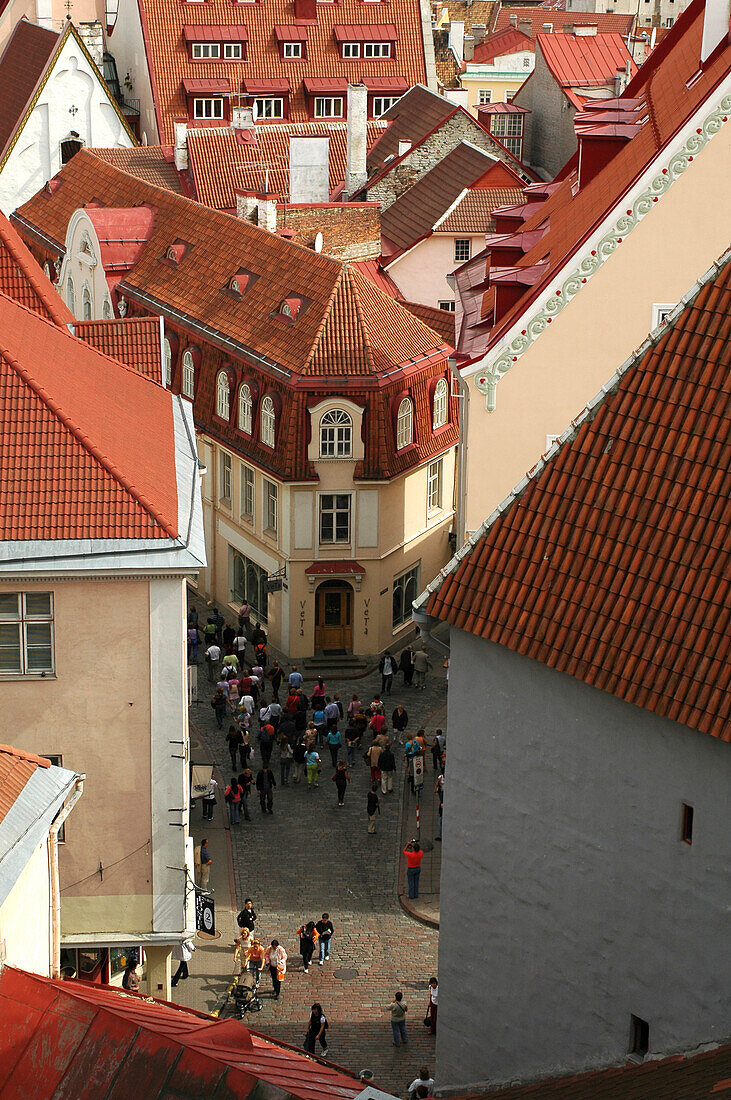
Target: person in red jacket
(414, 856)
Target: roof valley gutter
(39, 234)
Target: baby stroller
(246, 993)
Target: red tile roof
(87, 443)
(220, 163)
(613, 562)
(99, 1041)
(23, 63)
(332, 568)
(16, 768)
(134, 341)
(503, 42)
(705, 1076)
(578, 61)
(162, 22)
(153, 163)
(441, 320)
(605, 22)
(24, 281)
(473, 214)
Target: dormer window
(440, 404)
(336, 432)
(368, 40)
(207, 98)
(328, 107)
(223, 389)
(208, 107)
(376, 49)
(268, 107)
(290, 308)
(350, 50)
(208, 42)
(292, 50)
(240, 282)
(205, 51)
(245, 409)
(176, 251)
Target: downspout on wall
(55, 899)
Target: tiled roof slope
(578, 61)
(163, 20)
(414, 116)
(102, 1041)
(445, 61)
(16, 768)
(612, 563)
(473, 214)
(152, 163)
(441, 320)
(471, 12)
(416, 211)
(23, 62)
(134, 341)
(705, 1076)
(24, 281)
(219, 162)
(605, 22)
(86, 445)
(668, 97)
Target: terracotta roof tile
(605, 22)
(134, 341)
(613, 563)
(16, 768)
(441, 320)
(471, 12)
(23, 62)
(473, 214)
(153, 163)
(23, 280)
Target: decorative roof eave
(654, 182)
(570, 432)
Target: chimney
(479, 30)
(181, 146)
(456, 39)
(356, 172)
(513, 19)
(403, 148)
(305, 11)
(715, 26)
(622, 79)
(525, 25)
(242, 118)
(92, 35)
(309, 172)
(259, 208)
(469, 47)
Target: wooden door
(334, 618)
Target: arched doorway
(334, 617)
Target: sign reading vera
(205, 914)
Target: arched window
(268, 421)
(188, 375)
(441, 397)
(71, 295)
(107, 311)
(405, 424)
(222, 395)
(336, 435)
(86, 304)
(245, 406)
(167, 365)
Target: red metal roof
(534, 20)
(82, 1040)
(315, 84)
(122, 233)
(16, 768)
(503, 42)
(226, 32)
(613, 563)
(396, 85)
(501, 109)
(365, 32)
(259, 86)
(584, 61)
(328, 568)
(208, 86)
(290, 32)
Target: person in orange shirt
(414, 856)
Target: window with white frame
(188, 375)
(208, 108)
(57, 762)
(26, 633)
(441, 403)
(506, 125)
(328, 107)
(247, 493)
(462, 249)
(376, 49)
(351, 49)
(510, 96)
(232, 51)
(448, 306)
(224, 486)
(334, 517)
(383, 103)
(405, 591)
(205, 51)
(292, 50)
(271, 507)
(245, 409)
(336, 435)
(86, 304)
(434, 486)
(71, 295)
(268, 107)
(405, 424)
(167, 361)
(223, 389)
(268, 422)
(485, 96)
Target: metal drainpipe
(426, 624)
(462, 457)
(55, 892)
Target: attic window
(176, 251)
(290, 308)
(240, 282)
(52, 187)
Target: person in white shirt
(424, 1079)
(213, 656)
(276, 958)
(209, 799)
(182, 953)
(431, 1012)
(247, 703)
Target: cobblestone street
(311, 856)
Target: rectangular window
(376, 49)
(271, 507)
(208, 108)
(434, 486)
(26, 633)
(383, 103)
(351, 49)
(335, 517)
(506, 124)
(225, 483)
(328, 107)
(292, 50)
(686, 834)
(526, 63)
(249, 582)
(232, 51)
(247, 493)
(639, 1040)
(485, 96)
(462, 250)
(268, 108)
(405, 591)
(58, 762)
(514, 146)
(448, 307)
(206, 51)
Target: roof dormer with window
(366, 42)
(205, 42)
(291, 41)
(207, 99)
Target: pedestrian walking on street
(255, 958)
(193, 639)
(433, 1006)
(422, 664)
(316, 1030)
(400, 719)
(386, 667)
(414, 856)
(234, 740)
(219, 622)
(233, 795)
(265, 784)
(266, 743)
(424, 1080)
(182, 953)
(247, 916)
(295, 678)
(308, 935)
(246, 779)
(239, 647)
(244, 614)
(439, 791)
(406, 664)
(318, 693)
(373, 807)
(398, 1011)
(206, 861)
(341, 780)
(299, 753)
(209, 799)
(325, 930)
(285, 759)
(437, 750)
(277, 962)
(219, 702)
(275, 675)
(372, 757)
(387, 764)
(335, 744)
(313, 766)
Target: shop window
(250, 583)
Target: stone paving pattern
(312, 856)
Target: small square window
(292, 50)
(462, 250)
(448, 307)
(686, 829)
(639, 1040)
(485, 96)
(232, 51)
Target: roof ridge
(84, 441)
(363, 324)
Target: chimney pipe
(356, 172)
(309, 175)
(469, 47)
(456, 39)
(242, 118)
(181, 146)
(715, 26)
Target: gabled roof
(473, 212)
(153, 163)
(578, 61)
(414, 116)
(23, 280)
(611, 560)
(605, 22)
(417, 210)
(500, 44)
(167, 53)
(134, 341)
(23, 63)
(104, 1041)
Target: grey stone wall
(568, 899)
(550, 139)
